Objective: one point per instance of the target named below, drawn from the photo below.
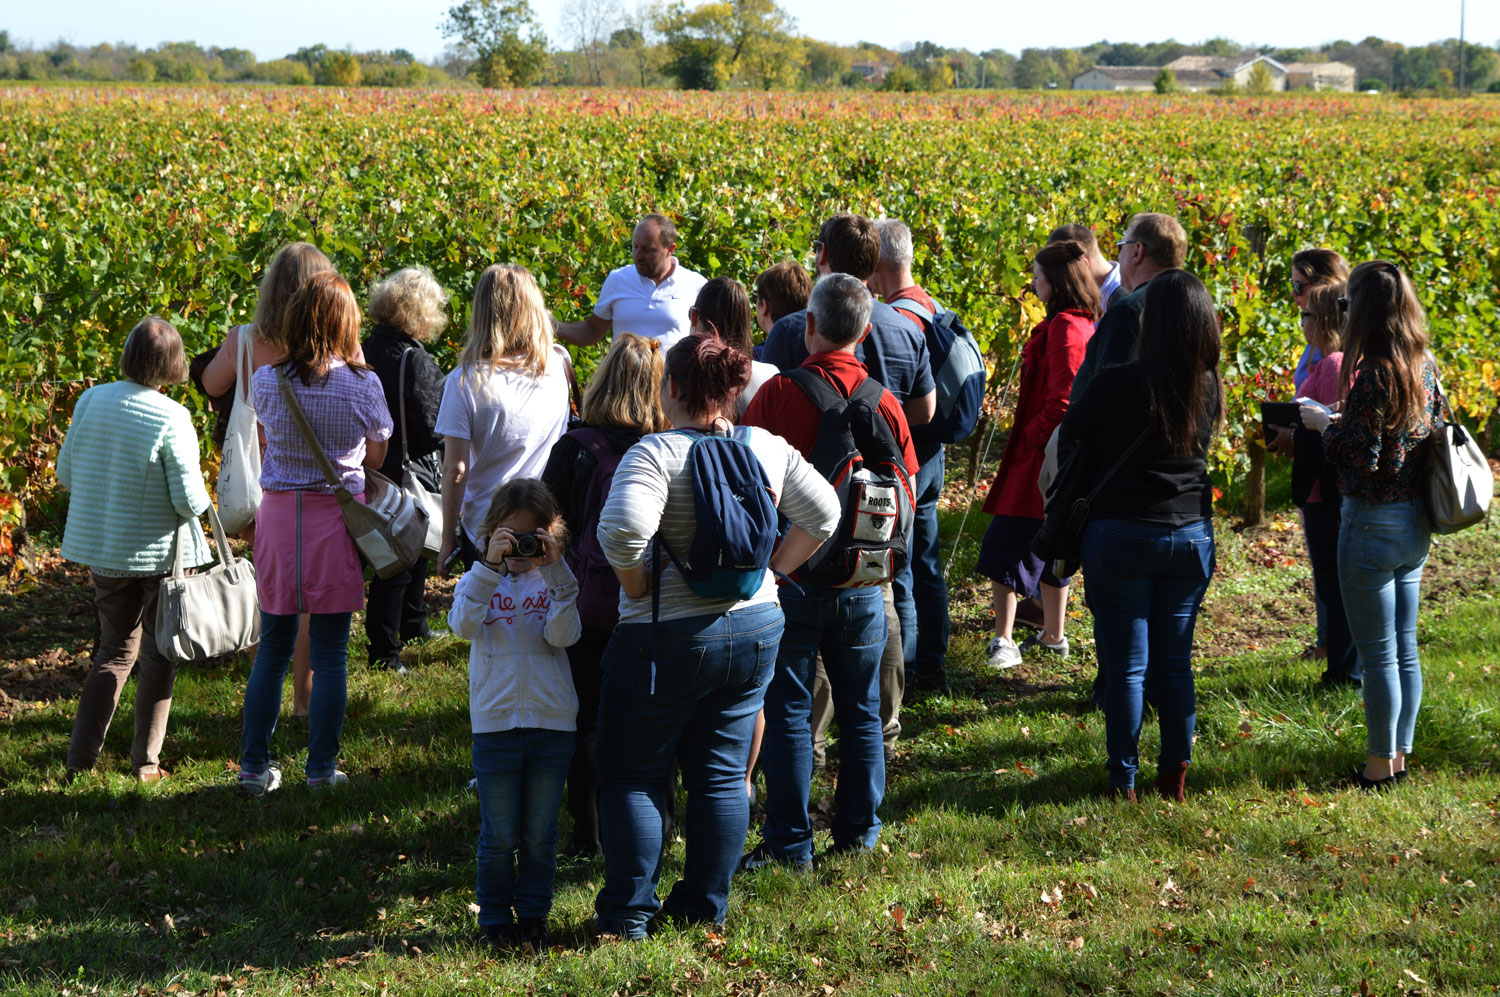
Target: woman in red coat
(1049, 360)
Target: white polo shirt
(640, 305)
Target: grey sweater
(652, 490)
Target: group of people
(601, 663)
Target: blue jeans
(329, 636)
(848, 627)
(1382, 548)
(920, 591)
(521, 773)
(689, 695)
(1146, 582)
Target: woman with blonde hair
(130, 462)
(305, 560)
(291, 266)
(621, 404)
(1389, 408)
(503, 407)
(408, 308)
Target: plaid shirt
(345, 410)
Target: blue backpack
(958, 369)
(734, 516)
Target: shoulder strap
(914, 307)
(300, 418)
(401, 400)
(244, 364)
(824, 395)
(594, 441)
(1114, 469)
(870, 391)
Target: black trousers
(1320, 522)
(396, 612)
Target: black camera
(527, 545)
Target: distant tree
(509, 47)
(1260, 82)
(1165, 82)
(1219, 47)
(625, 38)
(1123, 54)
(767, 52)
(310, 56)
(1035, 69)
(1414, 69)
(338, 69)
(823, 63)
(636, 37)
(5, 45)
(701, 43)
(142, 69)
(588, 23)
(286, 72)
(902, 79)
(1374, 83)
(235, 59)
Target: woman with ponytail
(1049, 360)
(688, 687)
(1390, 406)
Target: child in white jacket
(519, 613)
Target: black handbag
(1060, 539)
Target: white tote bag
(239, 471)
(1459, 484)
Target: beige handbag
(388, 527)
(431, 504)
(211, 612)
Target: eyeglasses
(1306, 316)
(1343, 305)
(1126, 242)
(1297, 286)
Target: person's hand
(551, 550)
(1317, 418)
(1281, 441)
(499, 545)
(443, 554)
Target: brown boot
(1127, 795)
(1172, 783)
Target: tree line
(723, 44)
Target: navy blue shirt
(894, 352)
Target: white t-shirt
(511, 421)
(640, 305)
(760, 373)
(1110, 285)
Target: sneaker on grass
(1035, 641)
(259, 785)
(333, 781)
(1003, 653)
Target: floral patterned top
(1375, 463)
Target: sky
(274, 28)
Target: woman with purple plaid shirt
(305, 560)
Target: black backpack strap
(816, 387)
(870, 391)
(594, 441)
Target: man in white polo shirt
(649, 297)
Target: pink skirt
(305, 560)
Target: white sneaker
(259, 785)
(1003, 653)
(333, 781)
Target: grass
(1001, 868)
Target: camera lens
(528, 545)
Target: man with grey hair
(920, 592)
(649, 296)
(847, 625)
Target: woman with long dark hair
(1389, 408)
(1148, 549)
(1049, 360)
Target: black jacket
(423, 389)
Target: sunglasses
(1343, 305)
(1297, 286)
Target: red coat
(1049, 360)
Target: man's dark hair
(666, 231)
(852, 244)
(1074, 232)
(784, 288)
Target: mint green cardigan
(130, 460)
